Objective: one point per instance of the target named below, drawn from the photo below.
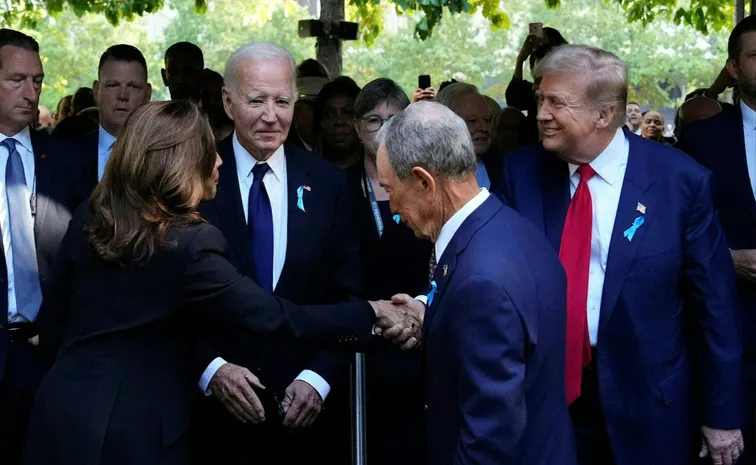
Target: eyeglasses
(374, 123)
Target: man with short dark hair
(121, 87)
(726, 145)
(41, 183)
(183, 72)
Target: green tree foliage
(464, 47)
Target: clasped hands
(400, 320)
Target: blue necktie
(25, 268)
(260, 227)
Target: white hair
(431, 136)
(604, 73)
(454, 91)
(260, 52)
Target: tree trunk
(329, 48)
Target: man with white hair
(287, 217)
(465, 100)
(493, 334)
(653, 346)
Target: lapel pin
(432, 293)
(397, 219)
(446, 269)
(307, 188)
(300, 196)
(641, 208)
(630, 232)
(43, 156)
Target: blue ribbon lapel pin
(397, 219)
(300, 196)
(432, 292)
(630, 232)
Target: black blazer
(322, 264)
(122, 386)
(88, 151)
(60, 188)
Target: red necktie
(575, 254)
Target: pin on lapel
(446, 269)
(630, 232)
(432, 293)
(397, 219)
(641, 208)
(300, 196)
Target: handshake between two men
(399, 321)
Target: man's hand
(745, 263)
(721, 83)
(723, 446)
(400, 321)
(302, 405)
(232, 385)
(428, 94)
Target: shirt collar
(749, 117)
(245, 161)
(454, 223)
(23, 138)
(105, 140)
(607, 163)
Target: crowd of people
(188, 281)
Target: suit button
(425, 407)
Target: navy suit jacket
(322, 263)
(61, 187)
(88, 150)
(653, 351)
(718, 144)
(494, 338)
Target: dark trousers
(21, 377)
(591, 439)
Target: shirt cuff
(317, 382)
(423, 299)
(207, 375)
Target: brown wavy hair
(153, 181)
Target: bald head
(697, 108)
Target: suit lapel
(228, 204)
(298, 173)
(556, 197)
(622, 251)
(447, 264)
(737, 162)
(43, 180)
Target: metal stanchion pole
(359, 412)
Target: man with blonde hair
(653, 346)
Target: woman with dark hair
(139, 273)
(334, 122)
(394, 261)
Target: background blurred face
(183, 76)
(304, 116)
(652, 126)
(369, 125)
(565, 119)
(634, 115)
(122, 88)
(20, 85)
(473, 109)
(408, 199)
(743, 69)
(337, 124)
(261, 105)
(45, 117)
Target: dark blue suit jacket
(88, 151)
(322, 263)
(494, 339)
(718, 144)
(61, 187)
(652, 348)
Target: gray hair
(454, 91)
(431, 136)
(604, 72)
(260, 52)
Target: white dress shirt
(749, 131)
(605, 187)
(276, 185)
(105, 143)
(24, 148)
(449, 229)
